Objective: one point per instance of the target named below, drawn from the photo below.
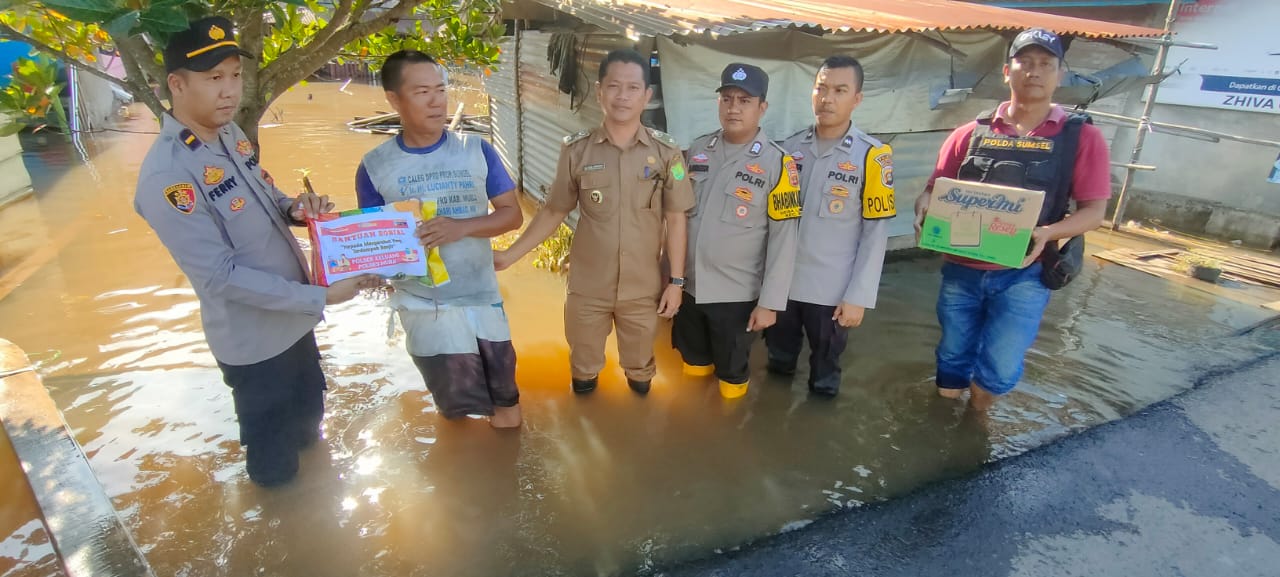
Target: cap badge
(216, 33)
(740, 75)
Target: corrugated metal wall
(531, 119)
(547, 113)
(504, 108)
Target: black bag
(1063, 264)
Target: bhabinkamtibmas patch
(877, 192)
(784, 199)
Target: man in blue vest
(456, 333)
(990, 314)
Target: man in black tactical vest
(990, 314)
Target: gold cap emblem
(216, 33)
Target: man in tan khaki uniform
(627, 182)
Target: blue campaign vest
(1030, 162)
(454, 176)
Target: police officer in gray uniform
(227, 226)
(846, 179)
(742, 235)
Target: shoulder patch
(877, 192)
(182, 197)
(663, 137)
(784, 199)
(572, 138)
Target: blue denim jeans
(989, 319)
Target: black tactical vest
(1029, 162)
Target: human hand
(503, 259)
(309, 205)
(441, 230)
(1039, 238)
(670, 302)
(922, 209)
(346, 289)
(761, 319)
(849, 316)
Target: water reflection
(607, 484)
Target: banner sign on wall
(1243, 73)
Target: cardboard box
(985, 222)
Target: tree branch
(136, 54)
(296, 64)
(11, 34)
(341, 16)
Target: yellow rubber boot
(732, 391)
(699, 370)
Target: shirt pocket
(649, 188)
(699, 181)
(597, 196)
(743, 206)
(839, 203)
(245, 223)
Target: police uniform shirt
(226, 225)
(621, 195)
(744, 227)
(844, 229)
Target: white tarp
(902, 70)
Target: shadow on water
(606, 484)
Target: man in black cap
(990, 314)
(227, 226)
(742, 235)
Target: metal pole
(1144, 123)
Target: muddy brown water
(602, 485)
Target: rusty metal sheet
(720, 17)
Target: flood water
(606, 484)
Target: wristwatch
(678, 281)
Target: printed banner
(1243, 73)
(377, 242)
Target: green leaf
(84, 10)
(122, 26)
(12, 128)
(163, 19)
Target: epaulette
(572, 138)
(798, 133)
(867, 138)
(663, 137)
(189, 139)
(779, 147)
(702, 136)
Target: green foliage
(463, 33)
(553, 253)
(32, 96)
(301, 33)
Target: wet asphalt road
(1186, 487)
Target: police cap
(750, 79)
(205, 44)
